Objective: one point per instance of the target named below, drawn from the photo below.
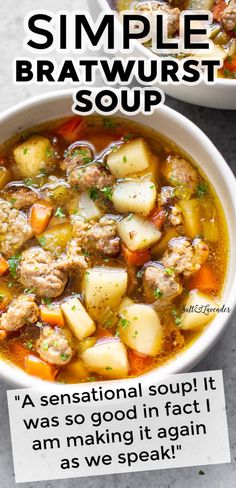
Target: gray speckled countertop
(220, 126)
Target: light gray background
(220, 126)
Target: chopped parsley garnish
(157, 293)
(29, 345)
(73, 308)
(28, 182)
(134, 336)
(43, 171)
(127, 137)
(42, 241)
(108, 368)
(93, 193)
(47, 301)
(177, 319)
(49, 152)
(13, 200)
(28, 291)
(14, 262)
(2, 296)
(45, 346)
(169, 271)
(202, 190)
(140, 273)
(124, 322)
(125, 159)
(109, 123)
(59, 213)
(25, 150)
(107, 192)
(86, 253)
(64, 356)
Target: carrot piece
(40, 215)
(157, 217)
(205, 280)
(230, 63)
(70, 130)
(19, 351)
(136, 258)
(139, 363)
(4, 266)
(218, 9)
(52, 315)
(35, 366)
(3, 335)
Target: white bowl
(221, 94)
(173, 125)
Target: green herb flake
(14, 262)
(134, 336)
(93, 193)
(42, 241)
(202, 190)
(64, 356)
(59, 213)
(47, 301)
(2, 296)
(169, 271)
(28, 291)
(124, 322)
(125, 159)
(157, 293)
(29, 345)
(73, 308)
(45, 346)
(13, 201)
(107, 192)
(25, 150)
(108, 368)
(127, 137)
(109, 123)
(49, 152)
(28, 182)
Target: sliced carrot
(70, 130)
(19, 351)
(205, 280)
(218, 9)
(52, 315)
(35, 366)
(139, 363)
(3, 335)
(40, 215)
(136, 258)
(4, 266)
(158, 217)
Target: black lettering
(40, 31)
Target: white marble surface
(220, 126)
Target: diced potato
(88, 208)
(77, 369)
(191, 214)
(104, 287)
(108, 359)
(194, 317)
(33, 155)
(5, 177)
(130, 158)
(137, 232)
(126, 302)
(78, 319)
(159, 248)
(140, 329)
(210, 231)
(134, 196)
(55, 238)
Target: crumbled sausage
(178, 171)
(160, 284)
(101, 236)
(89, 176)
(77, 155)
(39, 270)
(73, 258)
(23, 310)
(20, 196)
(228, 17)
(184, 257)
(14, 229)
(172, 14)
(53, 346)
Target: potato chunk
(130, 158)
(78, 319)
(32, 155)
(55, 238)
(198, 311)
(134, 196)
(140, 329)
(104, 287)
(138, 233)
(191, 214)
(108, 359)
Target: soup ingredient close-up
(222, 30)
(109, 236)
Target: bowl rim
(189, 357)
(147, 53)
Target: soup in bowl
(221, 94)
(115, 248)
